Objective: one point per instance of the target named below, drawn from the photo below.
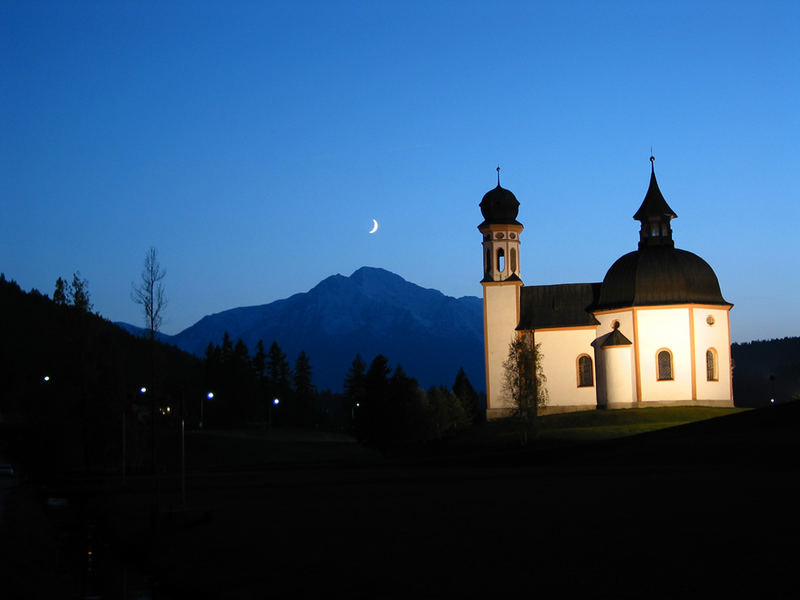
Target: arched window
(501, 260)
(711, 365)
(664, 364)
(513, 256)
(487, 266)
(585, 371)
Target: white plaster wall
(624, 380)
(715, 336)
(625, 318)
(500, 321)
(664, 328)
(618, 372)
(560, 349)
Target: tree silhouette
(80, 293)
(150, 292)
(462, 388)
(525, 382)
(61, 292)
(304, 390)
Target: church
(654, 332)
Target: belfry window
(513, 256)
(711, 365)
(664, 364)
(501, 260)
(585, 371)
(487, 265)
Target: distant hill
(68, 378)
(766, 369)
(373, 311)
(144, 333)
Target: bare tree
(150, 292)
(525, 382)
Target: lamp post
(210, 396)
(275, 402)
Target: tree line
(380, 405)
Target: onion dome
(659, 275)
(499, 206)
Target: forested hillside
(766, 369)
(69, 375)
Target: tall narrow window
(585, 372)
(513, 256)
(501, 260)
(711, 365)
(487, 266)
(664, 359)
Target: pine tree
(61, 292)
(278, 374)
(80, 293)
(259, 363)
(404, 418)
(371, 415)
(462, 388)
(354, 388)
(304, 390)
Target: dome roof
(657, 275)
(499, 206)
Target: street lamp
(275, 402)
(210, 396)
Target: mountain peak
(373, 311)
(375, 273)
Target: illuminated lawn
(597, 425)
(253, 447)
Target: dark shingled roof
(499, 207)
(565, 305)
(615, 338)
(659, 275)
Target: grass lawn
(594, 425)
(256, 446)
(606, 424)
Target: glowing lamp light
(210, 395)
(143, 390)
(46, 378)
(276, 402)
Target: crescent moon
(374, 226)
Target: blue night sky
(253, 144)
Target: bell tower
(501, 288)
(655, 215)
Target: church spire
(655, 215)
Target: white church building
(655, 332)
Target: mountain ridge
(373, 311)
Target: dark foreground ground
(707, 508)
